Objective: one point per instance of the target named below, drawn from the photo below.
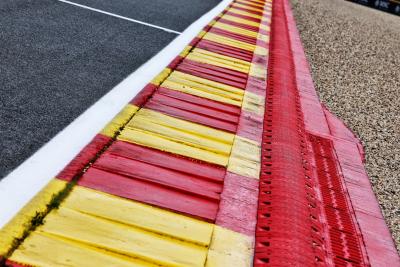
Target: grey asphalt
(57, 59)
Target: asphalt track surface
(57, 59)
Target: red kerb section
(240, 25)
(316, 205)
(254, 5)
(255, 12)
(288, 232)
(225, 50)
(243, 17)
(176, 183)
(238, 206)
(219, 74)
(87, 154)
(236, 36)
(195, 109)
(345, 242)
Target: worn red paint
(233, 35)
(239, 25)
(238, 206)
(342, 230)
(243, 17)
(198, 114)
(141, 98)
(250, 126)
(251, 4)
(86, 155)
(218, 74)
(225, 50)
(13, 264)
(255, 12)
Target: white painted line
(21, 185)
(120, 17)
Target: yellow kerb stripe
(234, 29)
(244, 13)
(139, 215)
(268, 20)
(16, 227)
(185, 51)
(245, 158)
(258, 70)
(261, 51)
(207, 57)
(253, 103)
(204, 88)
(236, 93)
(121, 119)
(228, 41)
(243, 2)
(263, 37)
(161, 76)
(240, 20)
(181, 131)
(261, 9)
(229, 248)
(159, 131)
(89, 220)
(44, 250)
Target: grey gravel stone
(354, 53)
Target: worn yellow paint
(178, 124)
(204, 56)
(150, 140)
(263, 37)
(16, 227)
(228, 41)
(139, 215)
(185, 51)
(245, 157)
(161, 76)
(252, 1)
(221, 86)
(92, 228)
(260, 3)
(258, 70)
(244, 13)
(229, 248)
(204, 88)
(119, 120)
(211, 23)
(262, 51)
(44, 250)
(235, 29)
(201, 34)
(166, 133)
(259, 9)
(253, 103)
(266, 20)
(181, 131)
(116, 237)
(240, 20)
